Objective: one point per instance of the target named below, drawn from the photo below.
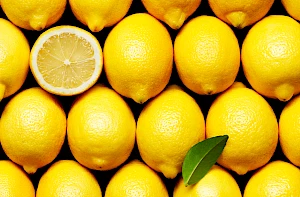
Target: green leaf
(201, 157)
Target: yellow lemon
(66, 60)
(138, 57)
(67, 178)
(292, 7)
(101, 129)
(207, 55)
(277, 178)
(270, 56)
(240, 13)
(168, 126)
(289, 130)
(33, 129)
(33, 14)
(14, 58)
(97, 14)
(251, 125)
(14, 181)
(217, 183)
(174, 13)
(136, 179)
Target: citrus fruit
(240, 13)
(97, 14)
(14, 181)
(138, 57)
(34, 14)
(270, 57)
(14, 58)
(217, 183)
(168, 126)
(101, 129)
(277, 178)
(66, 60)
(135, 179)
(249, 121)
(207, 55)
(68, 178)
(173, 13)
(292, 7)
(33, 129)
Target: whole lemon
(207, 55)
(136, 179)
(277, 178)
(249, 121)
(217, 183)
(289, 130)
(168, 126)
(101, 129)
(270, 57)
(292, 7)
(33, 129)
(68, 178)
(14, 181)
(138, 57)
(97, 14)
(33, 14)
(240, 13)
(14, 58)
(173, 13)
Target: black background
(203, 101)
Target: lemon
(173, 13)
(270, 57)
(14, 181)
(67, 178)
(207, 55)
(14, 58)
(34, 14)
(33, 128)
(101, 129)
(217, 183)
(138, 57)
(277, 178)
(97, 14)
(136, 179)
(292, 7)
(66, 60)
(251, 125)
(289, 127)
(240, 13)
(168, 126)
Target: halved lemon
(66, 60)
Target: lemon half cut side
(66, 60)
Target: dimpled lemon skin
(289, 130)
(173, 13)
(249, 121)
(292, 7)
(240, 13)
(217, 183)
(33, 14)
(167, 128)
(138, 57)
(136, 179)
(67, 178)
(14, 58)
(97, 14)
(276, 179)
(270, 57)
(101, 129)
(207, 55)
(14, 181)
(33, 129)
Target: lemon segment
(66, 60)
